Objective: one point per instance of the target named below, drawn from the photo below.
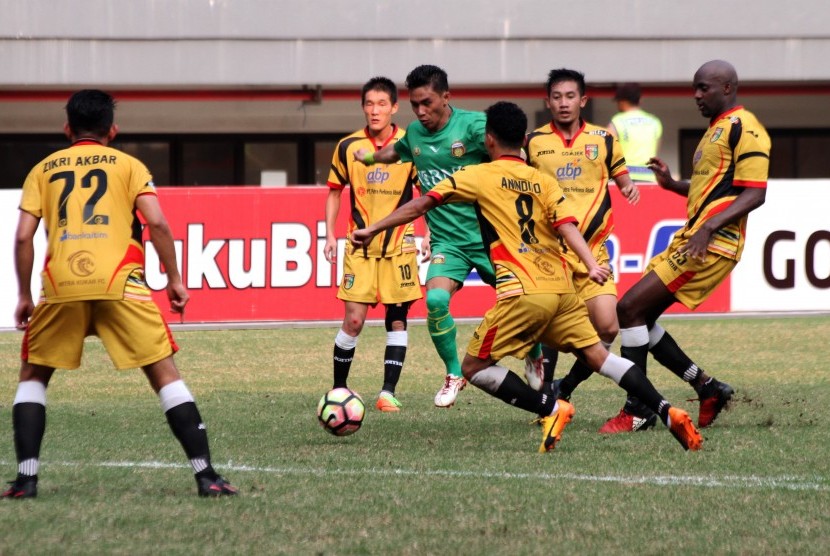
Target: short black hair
(428, 76)
(90, 112)
(382, 84)
(558, 75)
(629, 92)
(507, 123)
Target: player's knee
(438, 300)
(396, 317)
(626, 312)
(608, 331)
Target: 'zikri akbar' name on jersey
(79, 161)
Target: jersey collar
(388, 139)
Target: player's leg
(54, 338)
(29, 425)
(641, 304)
(713, 394)
(504, 331)
(602, 310)
(634, 381)
(398, 287)
(185, 421)
(135, 334)
(394, 355)
(358, 290)
(443, 332)
(345, 342)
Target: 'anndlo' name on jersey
(522, 186)
(79, 161)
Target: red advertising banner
(255, 254)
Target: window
(796, 153)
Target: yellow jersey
(375, 192)
(85, 195)
(518, 209)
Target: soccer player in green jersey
(443, 140)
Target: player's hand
(631, 192)
(330, 250)
(360, 155)
(23, 311)
(698, 245)
(178, 296)
(426, 249)
(661, 171)
(599, 274)
(361, 238)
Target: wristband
(369, 158)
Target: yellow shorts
(585, 287)
(515, 324)
(134, 333)
(391, 280)
(690, 280)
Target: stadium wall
(254, 254)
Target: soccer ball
(341, 411)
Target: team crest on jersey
(545, 266)
(438, 259)
(591, 152)
(348, 281)
(458, 149)
(716, 135)
(81, 263)
(416, 151)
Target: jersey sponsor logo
(543, 153)
(66, 236)
(600, 132)
(361, 191)
(81, 263)
(458, 149)
(716, 135)
(570, 171)
(545, 265)
(377, 176)
(438, 259)
(592, 151)
(348, 281)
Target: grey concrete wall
(256, 43)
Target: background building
(224, 92)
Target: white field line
(784, 482)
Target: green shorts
(452, 262)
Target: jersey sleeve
(751, 156)
(618, 166)
(455, 189)
(30, 200)
(339, 172)
(141, 180)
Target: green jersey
(437, 156)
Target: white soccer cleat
(535, 371)
(449, 392)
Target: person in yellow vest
(637, 131)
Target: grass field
(427, 481)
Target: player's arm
(162, 239)
(24, 260)
(748, 200)
(386, 155)
(401, 215)
(576, 242)
(664, 178)
(332, 210)
(628, 188)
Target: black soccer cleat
(714, 398)
(24, 486)
(215, 487)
